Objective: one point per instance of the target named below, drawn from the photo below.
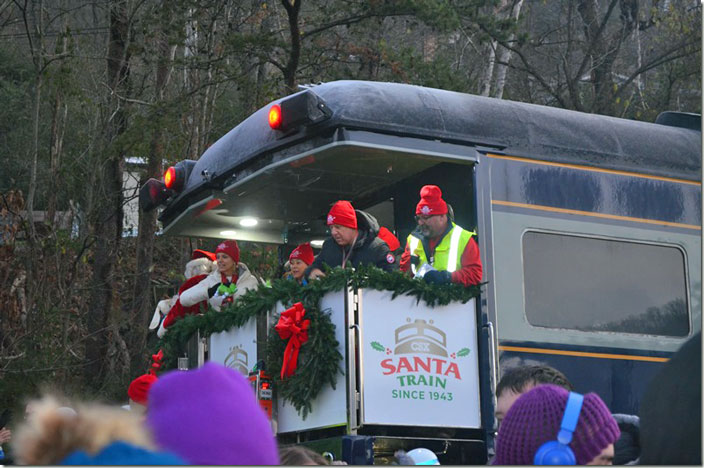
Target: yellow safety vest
(448, 253)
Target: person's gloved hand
(213, 289)
(438, 277)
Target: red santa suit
(197, 269)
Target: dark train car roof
(513, 128)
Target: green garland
(317, 364)
(318, 361)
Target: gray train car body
(589, 226)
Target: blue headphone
(557, 452)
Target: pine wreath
(319, 361)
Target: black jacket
(368, 249)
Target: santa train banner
(418, 361)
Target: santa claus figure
(202, 263)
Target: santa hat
(139, 388)
(342, 213)
(198, 253)
(388, 237)
(199, 266)
(230, 248)
(431, 202)
(303, 252)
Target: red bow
(291, 326)
(156, 361)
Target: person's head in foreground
(209, 416)
(297, 455)
(91, 434)
(518, 380)
(536, 418)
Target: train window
(592, 284)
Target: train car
(589, 226)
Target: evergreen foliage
(319, 361)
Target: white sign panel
(330, 406)
(419, 364)
(236, 348)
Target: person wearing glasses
(353, 241)
(438, 250)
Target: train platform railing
(411, 377)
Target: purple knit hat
(535, 419)
(209, 416)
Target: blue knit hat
(122, 453)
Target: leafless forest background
(95, 92)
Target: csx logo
(420, 347)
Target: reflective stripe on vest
(454, 245)
(412, 246)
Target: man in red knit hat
(450, 252)
(353, 241)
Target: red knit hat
(535, 418)
(139, 388)
(431, 202)
(303, 252)
(230, 248)
(388, 237)
(342, 213)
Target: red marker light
(275, 116)
(170, 177)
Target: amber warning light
(275, 116)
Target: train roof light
(170, 177)
(302, 109)
(175, 177)
(152, 194)
(275, 116)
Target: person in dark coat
(671, 410)
(353, 241)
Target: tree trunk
(604, 48)
(488, 75)
(293, 7)
(32, 189)
(58, 125)
(505, 54)
(141, 304)
(108, 214)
